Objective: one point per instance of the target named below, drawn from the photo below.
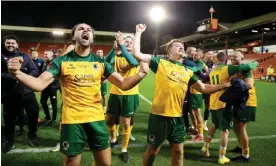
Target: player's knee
(108, 120)
(72, 160)
(242, 126)
(197, 112)
(105, 163)
(226, 131)
(126, 123)
(178, 151)
(125, 126)
(153, 151)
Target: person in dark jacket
(50, 91)
(237, 95)
(16, 96)
(37, 61)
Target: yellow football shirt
(252, 99)
(217, 76)
(171, 86)
(122, 66)
(80, 80)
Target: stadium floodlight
(157, 14)
(254, 31)
(58, 33)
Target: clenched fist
(140, 27)
(144, 69)
(14, 65)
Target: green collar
(221, 64)
(175, 62)
(77, 55)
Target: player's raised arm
(130, 59)
(242, 68)
(129, 82)
(37, 84)
(207, 88)
(69, 49)
(110, 55)
(140, 28)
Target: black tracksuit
(16, 96)
(39, 64)
(50, 91)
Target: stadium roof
(232, 29)
(45, 35)
(40, 29)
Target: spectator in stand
(261, 70)
(269, 71)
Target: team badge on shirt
(95, 67)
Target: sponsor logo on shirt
(83, 79)
(83, 66)
(177, 77)
(71, 66)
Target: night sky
(114, 16)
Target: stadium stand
(41, 47)
(257, 56)
(42, 39)
(263, 64)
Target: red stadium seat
(41, 47)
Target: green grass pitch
(262, 151)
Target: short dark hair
(49, 50)
(34, 51)
(13, 37)
(75, 27)
(221, 56)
